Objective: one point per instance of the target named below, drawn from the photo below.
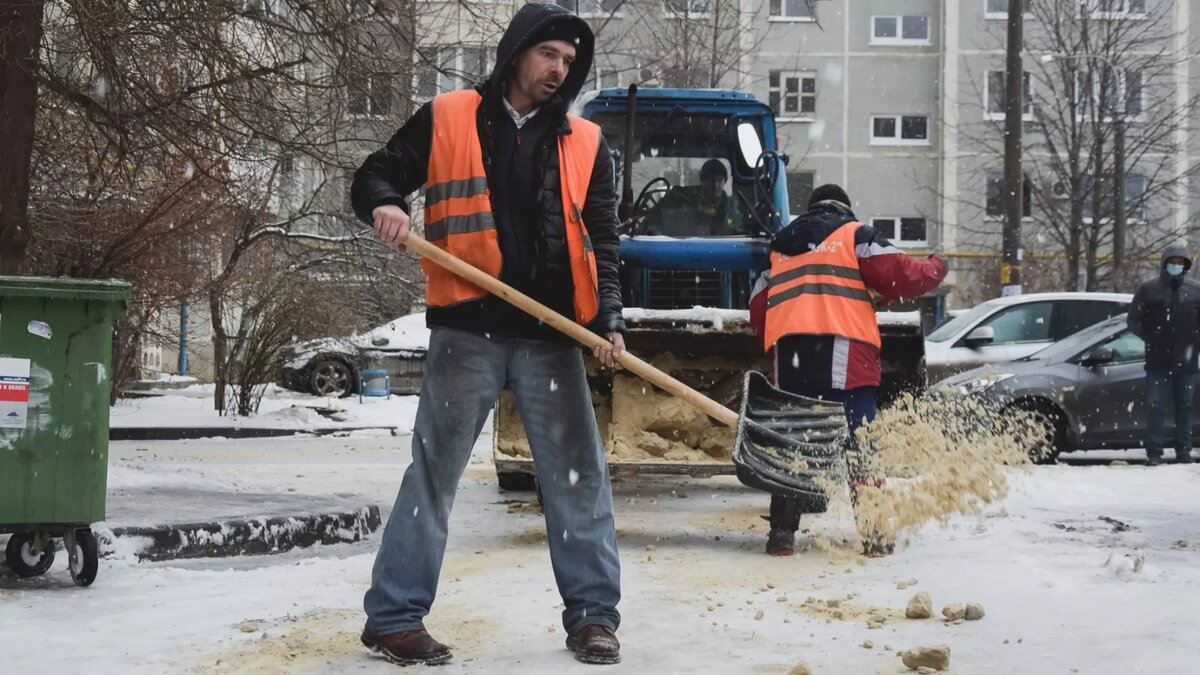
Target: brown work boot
(407, 648)
(595, 644)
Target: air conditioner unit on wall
(1060, 190)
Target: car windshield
(1074, 344)
(683, 182)
(952, 327)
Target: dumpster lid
(65, 288)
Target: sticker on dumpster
(40, 329)
(14, 393)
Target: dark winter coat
(1165, 312)
(829, 361)
(526, 193)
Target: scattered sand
(800, 669)
(941, 457)
(844, 610)
(300, 644)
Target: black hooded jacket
(522, 169)
(1165, 312)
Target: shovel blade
(786, 443)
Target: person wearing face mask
(1165, 313)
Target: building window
(1100, 89)
(602, 79)
(792, 96)
(347, 185)
(1135, 196)
(370, 95)
(899, 130)
(995, 89)
(900, 30)
(689, 9)
(800, 187)
(361, 8)
(425, 77)
(995, 195)
(793, 10)
(460, 67)
(592, 8)
(901, 231)
(1113, 9)
(995, 9)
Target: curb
(256, 536)
(195, 433)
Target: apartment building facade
(901, 101)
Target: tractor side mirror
(380, 341)
(749, 143)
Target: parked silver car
(1089, 389)
(1010, 328)
(333, 366)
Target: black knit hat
(565, 28)
(714, 167)
(827, 192)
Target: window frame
(898, 239)
(369, 79)
(690, 14)
(1124, 14)
(788, 18)
(989, 15)
(1026, 205)
(900, 40)
(801, 75)
(789, 177)
(1132, 215)
(615, 14)
(1026, 100)
(899, 139)
(1086, 109)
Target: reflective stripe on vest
(821, 293)
(458, 208)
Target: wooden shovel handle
(564, 325)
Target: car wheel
(331, 377)
(1051, 432)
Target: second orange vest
(821, 293)
(458, 209)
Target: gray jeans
(464, 373)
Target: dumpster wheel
(29, 554)
(84, 554)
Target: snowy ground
(1057, 580)
(192, 407)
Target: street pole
(1014, 178)
(1119, 197)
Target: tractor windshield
(687, 174)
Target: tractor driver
(703, 210)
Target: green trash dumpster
(55, 387)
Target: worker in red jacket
(815, 310)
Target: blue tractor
(703, 191)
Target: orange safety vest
(458, 209)
(821, 293)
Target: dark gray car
(1089, 389)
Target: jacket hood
(522, 30)
(1177, 252)
(812, 228)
